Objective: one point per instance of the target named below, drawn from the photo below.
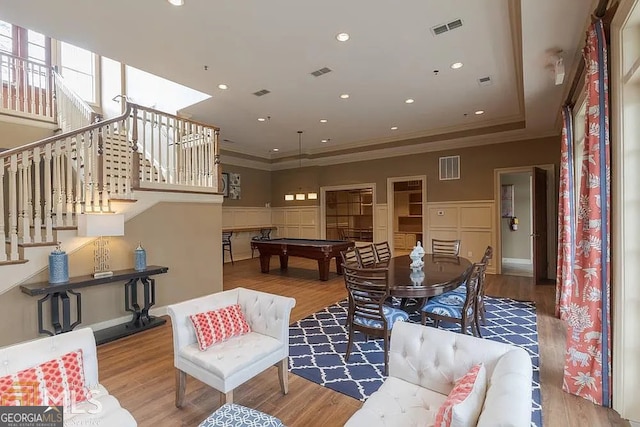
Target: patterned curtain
(566, 217)
(587, 370)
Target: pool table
(320, 250)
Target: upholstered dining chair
(368, 288)
(366, 255)
(265, 234)
(455, 307)
(462, 289)
(445, 247)
(350, 257)
(383, 251)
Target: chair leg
(386, 354)
(181, 386)
(283, 375)
(226, 397)
(424, 318)
(231, 253)
(349, 343)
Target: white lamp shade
(300, 196)
(96, 225)
(288, 197)
(312, 196)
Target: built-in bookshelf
(408, 214)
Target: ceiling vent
(321, 71)
(449, 168)
(261, 92)
(485, 81)
(443, 28)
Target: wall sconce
(101, 225)
(288, 197)
(312, 196)
(300, 196)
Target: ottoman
(233, 415)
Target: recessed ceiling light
(324, 140)
(261, 119)
(394, 127)
(479, 112)
(275, 150)
(344, 96)
(342, 37)
(223, 86)
(176, 2)
(456, 65)
(323, 120)
(409, 101)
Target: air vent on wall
(261, 92)
(321, 71)
(449, 168)
(484, 81)
(443, 28)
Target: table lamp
(101, 225)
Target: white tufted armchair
(424, 363)
(226, 365)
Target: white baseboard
(516, 261)
(158, 311)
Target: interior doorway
(525, 200)
(407, 208)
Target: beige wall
(476, 164)
(255, 186)
(182, 236)
(517, 244)
(14, 135)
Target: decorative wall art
(225, 184)
(506, 201)
(234, 186)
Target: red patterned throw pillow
(57, 382)
(464, 403)
(218, 325)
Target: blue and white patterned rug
(318, 343)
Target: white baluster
(58, 183)
(3, 252)
(95, 178)
(79, 191)
(21, 212)
(37, 217)
(128, 158)
(26, 198)
(70, 143)
(13, 208)
(48, 194)
(88, 170)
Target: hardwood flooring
(139, 371)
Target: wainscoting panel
(297, 222)
(471, 222)
(240, 218)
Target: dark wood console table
(58, 294)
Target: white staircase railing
(50, 181)
(72, 111)
(27, 89)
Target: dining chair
(226, 245)
(368, 288)
(265, 234)
(366, 255)
(462, 289)
(445, 247)
(350, 257)
(455, 307)
(383, 251)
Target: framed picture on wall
(225, 184)
(506, 201)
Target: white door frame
(390, 207)
(323, 202)
(551, 216)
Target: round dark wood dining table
(440, 273)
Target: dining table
(439, 274)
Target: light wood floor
(139, 371)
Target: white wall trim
(523, 261)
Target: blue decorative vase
(140, 258)
(58, 266)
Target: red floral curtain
(587, 370)
(566, 217)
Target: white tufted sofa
(102, 410)
(226, 365)
(424, 362)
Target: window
(78, 67)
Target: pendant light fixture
(300, 196)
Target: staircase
(98, 166)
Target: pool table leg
(264, 263)
(323, 268)
(339, 264)
(284, 262)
